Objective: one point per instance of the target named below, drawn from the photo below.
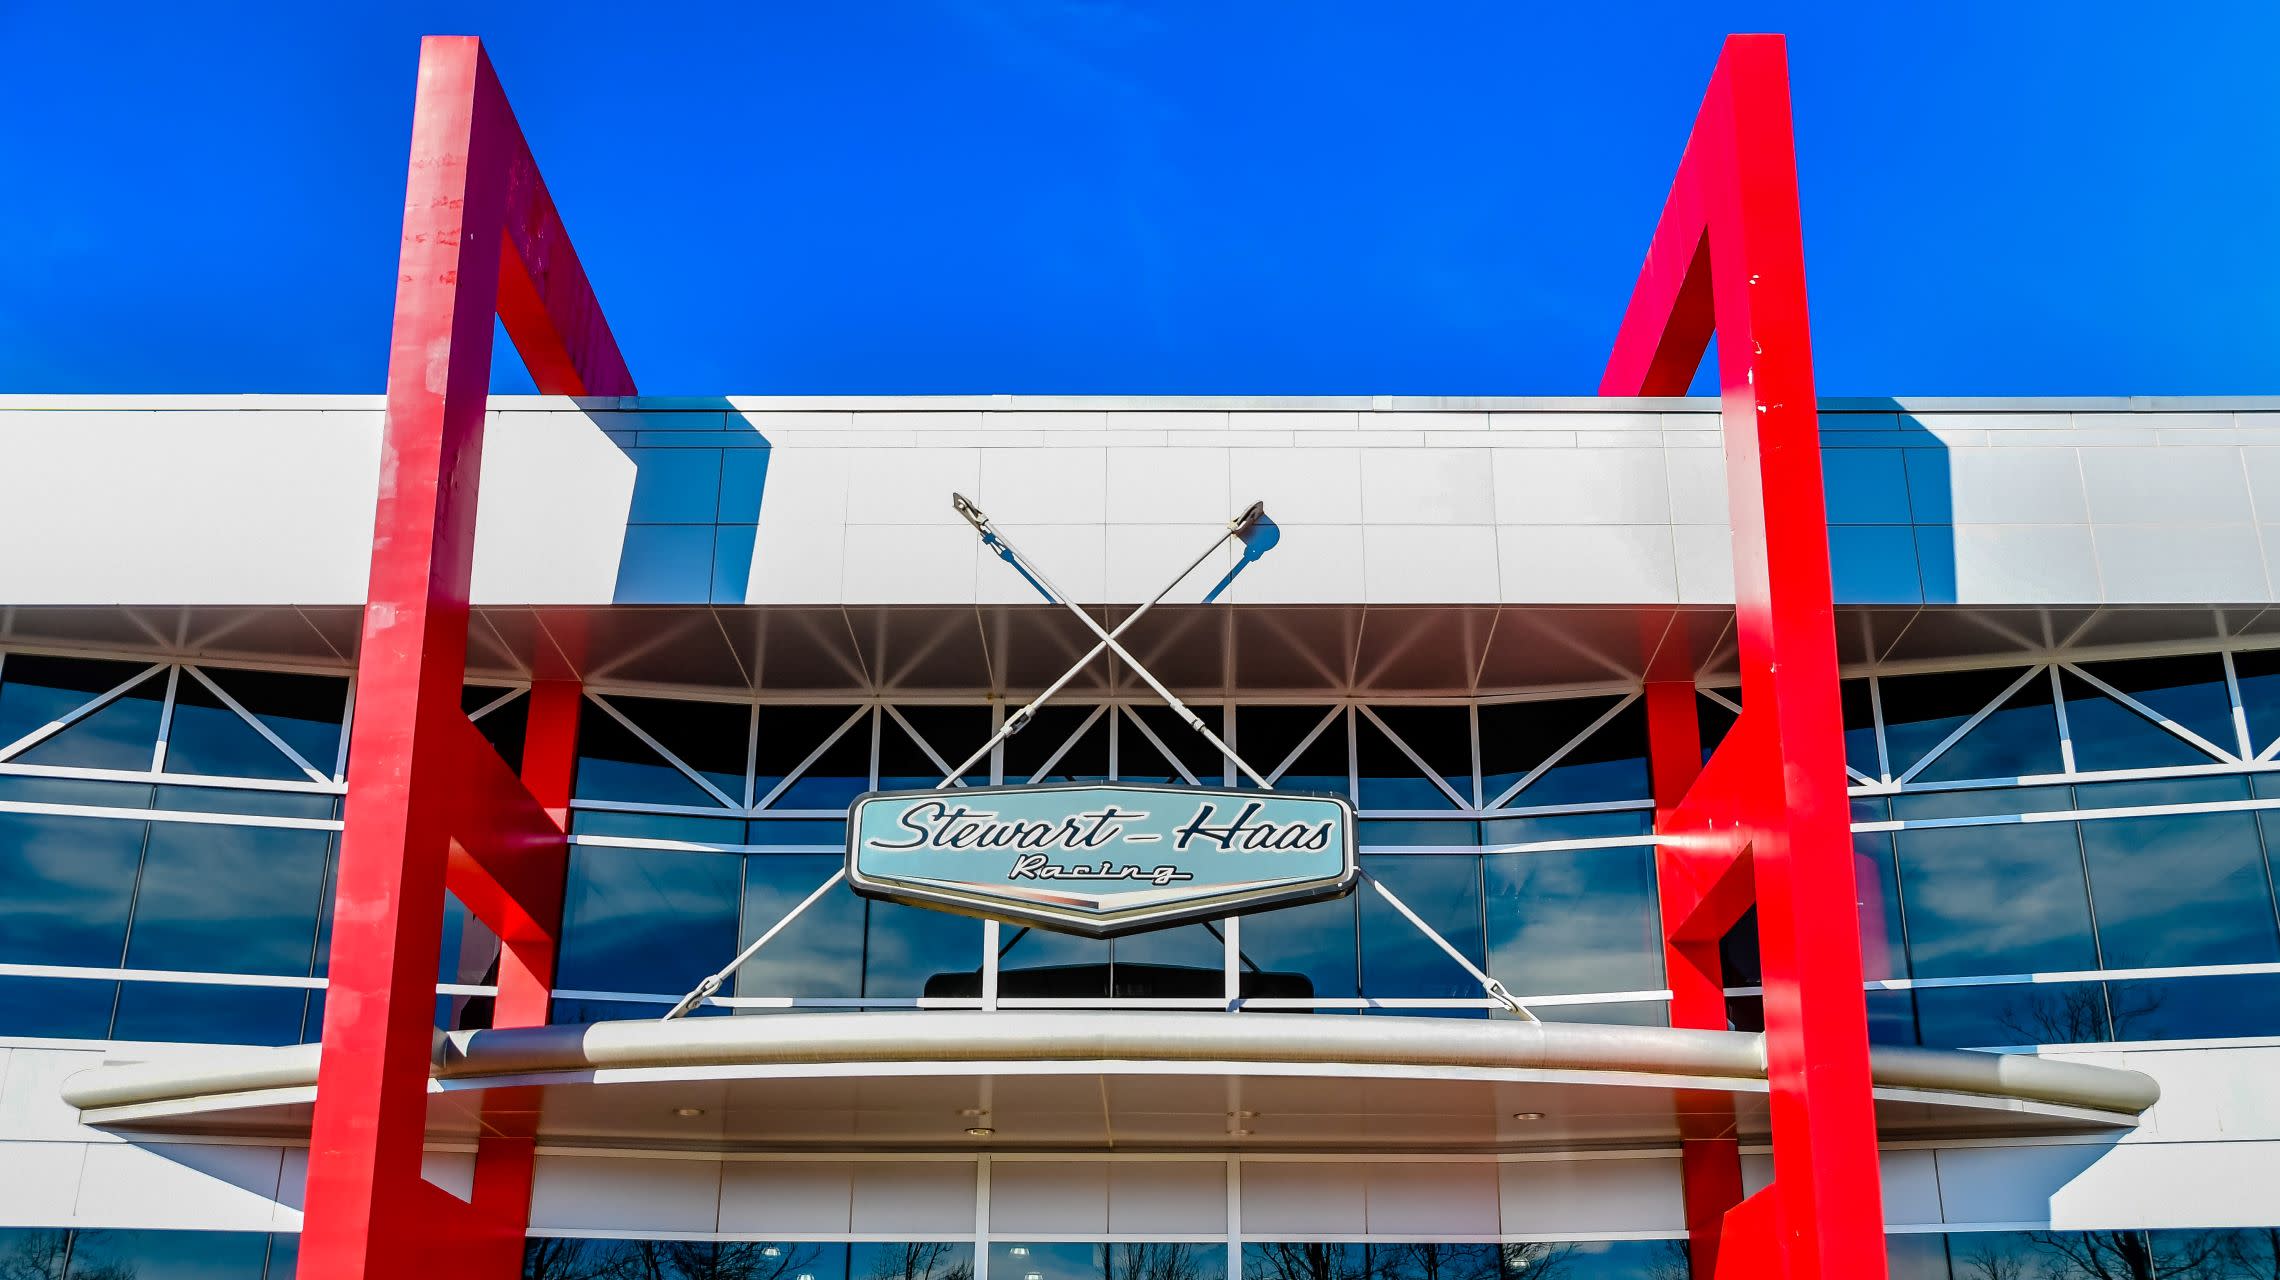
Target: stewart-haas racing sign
(1100, 859)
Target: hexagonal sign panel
(1100, 859)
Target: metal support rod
(1490, 985)
(1012, 555)
(705, 990)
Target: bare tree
(2096, 1255)
(1304, 1262)
(922, 1260)
(1989, 1261)
(37, 1255)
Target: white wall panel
(1048, 1196)
(1303, 1199)
(31, 1095)
(550, 516)
(765, 1196)
(178, 1184)
(2171, 1184)
(1432, 1197)
(615, 1193)
(1173, 1197)
(39, 1182)
(1541, 1196)
(918, 1197)
(2011, 1183)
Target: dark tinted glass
(1713, 721)
(615, 764)
(788, 734)
(2258, 672)
(2151, 791)
(2213, 1007)
(921, 1260)
(1043, 749)
(953, 732)
(1921, 711)
(2188, 690)
(1414, 833)
(1063, 1261)
(2253, 1254)
(1042, 963)
(1499, 832)
(68, 884)
(2051, 1255)
(1596, 1259)
(2181, 889)
(504, 725)
(64, 1008)
(186, 1012)
(205, 737)
(1995, 899)
(1440, 736)
(35, 689)
(1574, 920)
(1616, 1013)
(273, 804)
(2020, 1014)
(1302, 951)
(33, 1253)
(549, 1259)
(2109, 735)
(1305, 1262)
(2016, 740)
(306, 711)
(1883, 939)
(229, 899)
(1268, 735)
(1398, 959)
(1140, 758)
(818, 954)
(647, 920)
(167, 1255)
(123, 734)
(284, 1256)
(1916, 1257)
(1981, 803)
(1860, 727)
(1430, 1261)
(709, 737)
(1610, 765)
(911, 952)
(685, 828)
(1189, 961)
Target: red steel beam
(481, 240)
(1728, 256)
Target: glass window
(789, 734)
(1045, 964)
(820, 953)
(1423, 1260)
(1143, 1260)
(1440, 736)
(1398, 959)
(1190, 961)
(1544, 828)
(2208, 1008)
(191, 1013)
(2216, 1255)
(1920, 711)
(1876, 881)
(1610, 765)
(1035, 752)
(917, 1260)
(548, 1259)
(69, 884)
(615, 764)
(2258, 673)
(1994, 900)
(1860, 726)
(2017, 1014)
(123, 734)
(1304, 1262)
(64, 1008)
(229, 899)
(709, 737)
(687, 828)
(953, 732)
(1142, 759)
(910, 952)
(2050, 1255)
(1301, 952)
(2108, 735)
(653, 921)
(504, 725)
(1568, 921)
(167, 1255)
(2188, 690)
(1981, 803)
(2181, 889)
(1713, 721)
(205, 737)
(284, 1256)
(2018, 739)
(306, 711)
(1268, 735)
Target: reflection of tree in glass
(38, 1255)
(667, 1260)
(1438, 1261)
(927, 1260)
(1303, 1262)
(1157, 1261)
(1670, 1261)
(2074, 1015)
(2094, 1255)
(1984, 1261)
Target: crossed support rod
(1106, 641)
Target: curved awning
(1099, 1079)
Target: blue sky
(1075, 196)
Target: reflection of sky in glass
(1397, 958)
(68, 882)
(228, 899)
(1570, 921)
(2181, 889)
(648, 920)
(818, 954)
(1995, 899)
(1316, 940)
(167, 1255)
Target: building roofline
(1174, 403)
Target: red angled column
(429, 803)
(1767, 821)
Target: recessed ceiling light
(979, 1131)
(771, 1251)
(686, 1112)
(1527, 1115)
(971, 1112)
(1239, 1133)
(1019, 1251)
